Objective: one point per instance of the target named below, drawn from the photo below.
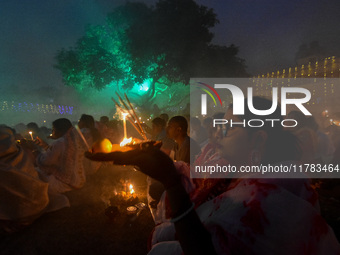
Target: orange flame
(125, 141)
(131, 189)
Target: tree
(149, 46)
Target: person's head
(86, 121)
(60, 127)
(177, 127)
(20, 128)
(158, 124)
(255, 145)
(104, 119)
(165, 117)
(32, 126)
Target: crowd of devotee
(251, 215)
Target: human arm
(50, 159)
(191, 233)
(39, 142)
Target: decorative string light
(40, 108)
(327, 68)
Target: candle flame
(124, 115)
(131, 189)
(30, 132)
(126, 141)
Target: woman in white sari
(23, 196)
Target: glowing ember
(126, 141)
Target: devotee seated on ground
(109, 129)
(87, 124)
(91, 134)
(197, 132)
(155, 188)
(104, 119)
(20, 130)
(61, 164)
(185, 148)
(248, 215)
(23, 196)
(159, 134)
(35, 131)
(209, 153)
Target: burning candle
(31, 134)
(125, 140)
(124, 122)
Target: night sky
(268, 33)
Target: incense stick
(82, 137)
(123, 103)
(134, 125)
(133, 111)
(135, 118)
(128, 117)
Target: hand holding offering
(102, 146)
(147, 156)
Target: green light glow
(142, 88)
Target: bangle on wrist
(178, 218)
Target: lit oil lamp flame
(131, 189)
(126, 141)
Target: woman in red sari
(246, 215)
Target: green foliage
(166, 45)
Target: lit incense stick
(135, 115)
(128, 117)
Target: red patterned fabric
(259, 216)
